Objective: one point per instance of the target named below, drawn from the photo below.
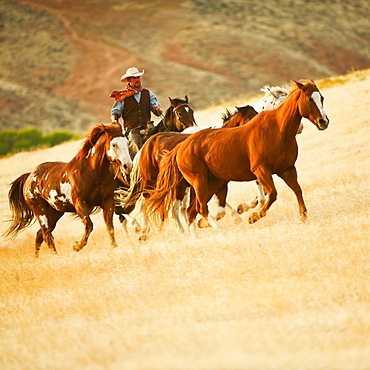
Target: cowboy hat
(131, 72)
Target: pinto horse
(79, 186)
(209, 159)
(147, 167)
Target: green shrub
(58, 137)
(13, 141)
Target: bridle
(174, 109)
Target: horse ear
(273, 93)
(96, 132)
(171, 101)
(186, 99)
(298, 84)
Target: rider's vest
(136, 114)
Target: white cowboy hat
(131, 72)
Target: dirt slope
(60, 60)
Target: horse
(79, 186)
(273, 97)
(178, 117)
(209, 159)
(147, 166)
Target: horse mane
(226, 117)
(94, 135)
(275, 89)
(294, 87)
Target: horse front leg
(144, 235)
(108, 211)
(291, 179)
(265, 179)
(259, 200)
(176, 214)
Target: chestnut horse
(147, 166)
(209, 159)
(79, 186)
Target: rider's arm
(117, 110)
(154, 105)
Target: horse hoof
(143, 238)
(303, 218)
(237, 219)
(254, 217)
(76, 247)
(220, 215)
(242, 208)
(203, 223)
(137, 229)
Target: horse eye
(310, 99)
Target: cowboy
(134, 105)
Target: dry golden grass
(279, 294)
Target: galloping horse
(178, 117)
(79, 186)
(147, 166)
(209, 159)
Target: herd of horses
(179, 169)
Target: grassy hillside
(60, 60)
(278, 294)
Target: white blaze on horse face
(316, 97)
(118, 151)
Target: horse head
(311, 104)
(273, 97)
(241, 116)
(117, 147)
(179, 115)
(110, 138)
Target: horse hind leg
(47, 218)
(38, 241)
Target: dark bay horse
(147, 166)
(266, 146)
(79, 186)
(177, 118)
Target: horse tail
(161, 198)
(128, 197)
(22, 216)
